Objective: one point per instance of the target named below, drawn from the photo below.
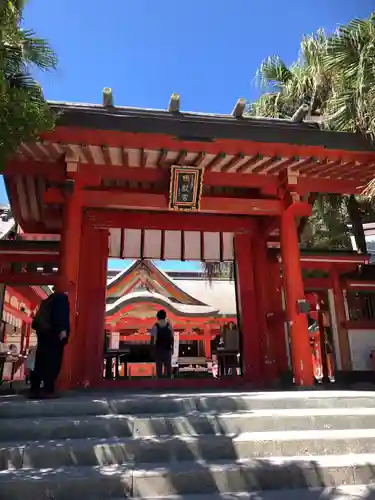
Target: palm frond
(37, 51)
(273, 72)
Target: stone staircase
(271, 446)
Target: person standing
(52, 327)
(162, 338)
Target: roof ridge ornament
(174, 103)
(239, 108)
(107, 97)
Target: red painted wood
(54, 171)
(307, 184)
(32, 256)
(17, 313)
(248, 303)
(293, 283)
(76, 135)
(317, 283)
(170, 221)
(70, 249)
(262, 285)
(207, 342)
(176, 384)
(95, 304)
(10, 278)
(94, 173)
(86, 275)
(149, 201)
(277, 318)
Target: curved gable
(145, 276)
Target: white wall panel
(211, 246)
(192, 245)
(114, 243)
(152, 244)
(132, 244)
(228, 252)
(172, 245)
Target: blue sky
(206, 50)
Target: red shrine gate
(241, 180)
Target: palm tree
(287, 87)
(335, 75)
(25, 112)
(350, 58)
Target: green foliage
(327, 228)
(24, 113)
(335, 75)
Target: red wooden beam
(117, 138)
(162, 176)
(301, 209)
(10, 256)
(149, 201)
(171, 221)
(317, 283)
(93, 174)
(307, 185)
(53, 170)
(17, 313)
(359, 284)
(10, 278)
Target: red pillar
(262, 283)
(207, 342)
(292, 274)
(88, 254)
(247, 304)
(70, 246)
(92, 300)
(277, 319)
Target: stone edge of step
(107, 399)
(145, 470)
(253, 414)
(244, 437)
(348, 492)
(282, 413)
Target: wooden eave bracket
(288, 191)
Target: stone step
(105, 483)
(341, 493)
(113, 425)
(133, 451)
(174, 404)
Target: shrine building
(127, 183)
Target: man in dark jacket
(52, 334)
(162, 337)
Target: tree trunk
(355, 218)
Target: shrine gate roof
(205, 127)
(125, 154)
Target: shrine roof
(186, 296)
(156, 298)
(156, 280)
(205, 127)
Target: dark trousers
(163, 358)
(48, 361)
